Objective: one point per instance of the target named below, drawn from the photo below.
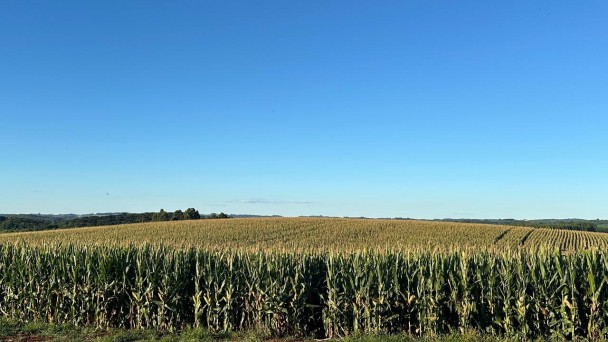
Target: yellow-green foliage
(311, 276)
(318, 234)
(518, 293)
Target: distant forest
(569, 224)
(16, 223)
(31, 222)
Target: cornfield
(317, 235)
(304, 284)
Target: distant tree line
(15, 223)
(583, 225)
(189, 214)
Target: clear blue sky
(425, 109)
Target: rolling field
(318, 235)
(311, 277)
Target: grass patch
(14, 331)
(36, 331)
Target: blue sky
(424, 109)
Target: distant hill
(569, 224)
(33, 222)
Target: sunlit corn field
(318, 235)
(311, 277)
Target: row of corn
(421, 293)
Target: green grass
(13, 331)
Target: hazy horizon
(313, 215)
(410, 109)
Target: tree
(222, 216)
(191, 214)
(162, 215)
(177, 215)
